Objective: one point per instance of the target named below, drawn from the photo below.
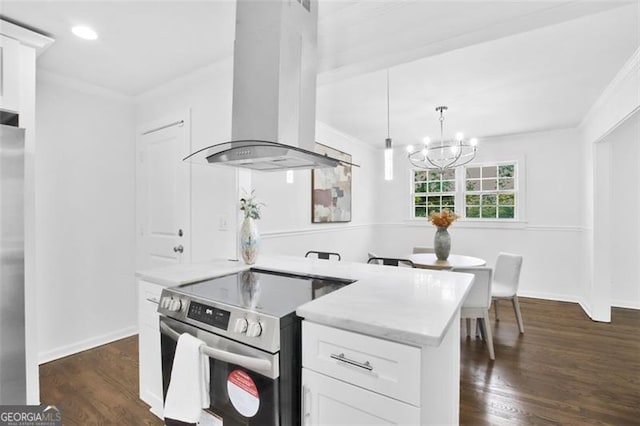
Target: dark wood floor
(565, 370)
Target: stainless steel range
(248, 322)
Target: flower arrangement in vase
(249, 236)
(442, 240)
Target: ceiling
(502, 67)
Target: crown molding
(38, 41)
(629, 71)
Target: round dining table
(430, 261)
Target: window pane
(488, 211)
(506, 170)
(449, 186)
(420, 187)
(506, 199)
(434, 175)
(419, 176)
(489, 200)
(419, 200)
(489, 171)
(434, 201)
(506, 183)
(448, 201)
(473, 211)
(473, 185)
(449, 174)
(505, 212)
(421, 212)
(473, 172)
(473, 200)
(434, 186)
(432, 210)
(488, 184)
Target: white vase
(249, 241)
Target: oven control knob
(240, 326)
(254, 329)
(175, 305)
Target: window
(487, 191)
(490, 191)
(433, 191)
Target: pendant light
(388, 149)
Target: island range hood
(274, 89)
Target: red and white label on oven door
(243, 393)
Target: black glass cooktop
(267, 292)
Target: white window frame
(519, 219)
(426, 194)
(516, 190)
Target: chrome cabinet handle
(178, 249)
(152, 300)
(366, 365)
(306, 405)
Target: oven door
(244, 381)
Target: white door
(163, 192)
(327, 401)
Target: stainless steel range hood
(274, 89)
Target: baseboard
(84, 345)
(625, 304)
(548, 296)
(586, 308)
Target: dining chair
(323, 254)
(505, 283)
(391, 261)
(477, 304)
(419, 250)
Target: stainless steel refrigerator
(12, 340)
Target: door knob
(178, 249)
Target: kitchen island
(387, 343)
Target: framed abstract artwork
(331, 189)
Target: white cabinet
(327, 401)
(149, 346)
(9, 74)
(350, 378)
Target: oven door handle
(256, 364)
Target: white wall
(207, 93)
(550, 235)
(617, 104)
(625, 223)
(286, 226)
(286, 223)
(85, 247)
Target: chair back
(323, 254)
(391, 261)
(480, 294)
(507, 270)
(419, 250)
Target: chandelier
(446, 154)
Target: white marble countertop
(412, 306)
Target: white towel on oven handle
(188, 390)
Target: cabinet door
(149, 347)
(327, 401)
(9, 74)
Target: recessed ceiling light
(84, 32)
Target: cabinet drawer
(385, 367)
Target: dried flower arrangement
(443, 218)
(250, 207)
